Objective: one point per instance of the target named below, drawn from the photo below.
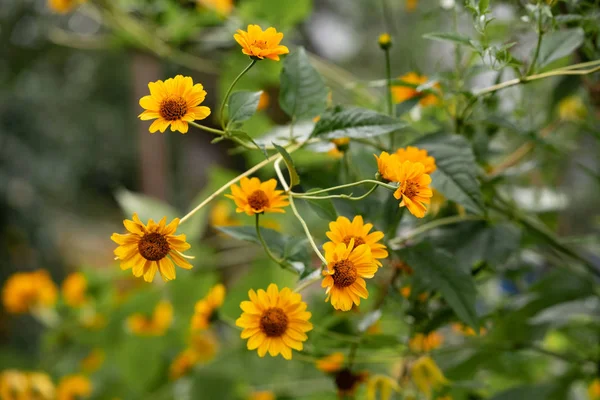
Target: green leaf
(355, 122)
(294, 178)
(242, 106)
(407, 105)
(145, 206)
(274, 239)
(456, 174)
(437, 270)
(324, 208)
(303, 93)
(559, 44)
(483, 6)
(449, 37)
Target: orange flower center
(173, 108)
(261, 44)
(274, 322)
(258, 200)
(411, 189)
(346, 380)
(357, 240)
(345, 273)
(153, 246)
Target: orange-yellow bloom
(182, 364)
(73, 289)
(221, 7)
(174, 102)
(259, 45)
(342, 231)
(330, 364)
(63, 6)
(262, 395)
(427, 376)
(93, 361)
(256, 197)
(403, 93)
(594, 390)
(467, 330)
(40, 386)
(24, 291)
(274, 321)
(205, 309)
(157, 325)
(415, 155)
(152, 247)
(413, 191)
(387, 165)
(13, 385)
(74, 387)
(424, 343)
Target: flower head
(151, 247)
(263, 101)
(274, 321)
(182, 364)
(74, 387)
(403, 93)
(415, 155)
(347, 382)
(205, 309)
(330, 364)
(594, 390)
(221, 7)
(385, 384)
(256, 197)
(427, 376)
(572, 108)
(93, 361)
(24, 291)
(259, 45)
(342, 231)
(205, 345)
(157, 325)
(414, 190)
(73, 289)
(385, 41)
(41, 386)
(174, 102)
(13, 385)
(424, 343)
(387, 165)
(467, 330)
(347, 268)
(262, 395)
(63, 6)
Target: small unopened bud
(385, 41)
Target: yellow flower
(40, 386)
(256, 197)
(93, 361)
(182, 364)
(387, 166)
(385, 41)
(258, 44)
(221, 214)
(594, 390)
(467, 330)
(221, 7)
(330, 364)
(386, 386)
(204, 345)
(13, 385)
(145, 248)
(437, 201)
(174, 102)
(427, 376)
(74, 387)
(262, 395)
(411, 5)
(24, 291)
(571, 108)
(415, 155)
(63, 6)
(334, 152)
(374, 329)
(341, 142)
(342, 231)
(274, 321)
(205, 309)
(73, 289)
(263, 101)
(347, 266)
(421, 343)
(347, 382)
(414, 190)
(403, 93)
(161, 320)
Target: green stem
(376, 145)
(347, 185)
(228, 93)
(264, 244)
(538, 45)
(207, 129)
(306, 230)
(334, 196)
(388, 75)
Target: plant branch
(228, 93)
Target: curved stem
(347, 185)
(228, 93)
(334, 196)
(306, 230)
(435, 224)
(538, 45)
(264, 244)
(206, 128)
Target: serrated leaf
(559, 44)
(355, 123)
(437, 270)
(456, 174)
(303, 92)
(242, 106)
(449, 37)
(294, 178)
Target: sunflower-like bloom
(403, 93)
(259, 45)
(262, 395)
(221, 7)
(332, 363)
(73, 289)
(93, 361)
(74, 387)
(24, 291)
(385, 384)
(63, 6)
(157, 325)
(174, 102)
(347, 268)
(347, 381)
(256, 197)
(387, 166)
(424, 343)
(274, 321)
(414, 190)
(594, 390)
(415, 155)
(427, 376)
(13, 385)
(342, 231)
(205, 309)
(147, 248)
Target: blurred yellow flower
(24, 291)
(221, 214)
(341, 142)
(256, 197)
(411, 5)
(263, 101)
(174, 102)
(385, 384)
(74, 387)
(344, 277)
(427, 376)
(73, 289)
(204, 345)
(572, 108)
(63, 6)
(258, 44)
(437, 201)
(594, 390)
(40, 387)
(331, 363)
(161, 320)
(274, 321)
(387, 165)
(424, 343)
(335, 152)
(145, 248)
(413, 191)
(93, 361)
(205, 309)
(385, 41)
(342, 231)
(467, 330)
(182, 364)
(403, 93)
(221, 7)
(13, 385)
(374, 329)
(347, 382)
(262, 395)
(414, 154)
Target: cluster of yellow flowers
(424, 343)
(19, 385)
(27, 291)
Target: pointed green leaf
(449, 37)
(355, 123)
(559, 44)
(242, 106)
(294, 178)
